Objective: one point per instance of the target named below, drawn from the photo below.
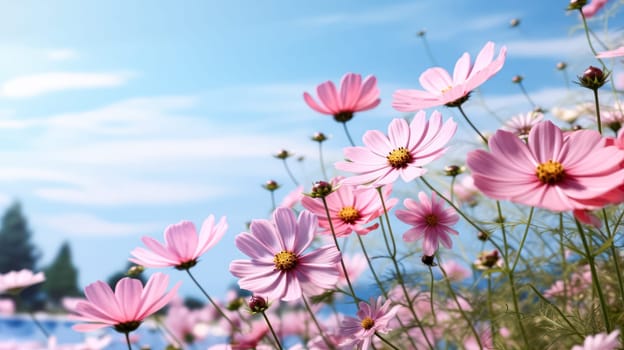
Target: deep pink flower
(600, 341)
(15, 281)
(354, 96)
(279, 267)
(593, 7)
(182, 245)
(351, 208)
(430, 220)
(126, 307)
(404, 152)
(372, 317)
(619, 52)
(441, 89)
(551, 171)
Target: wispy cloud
(376, 15)
(39, 84)
(61, 54)
(81, 224)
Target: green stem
(322, 161)
(461, 310)
(386, 341)
(128, 340)
(597, 110)
(526, 94)
(596, 281)
(564, 267)
(316, 323)
(39, 325)
(524, 236)
(216, 306)
(275, 337)
(558, 311)
(290, 174)
(614, 253)
(461, 110)
(346, 130)
(433, 314)
(490, 308)
(370, 266)
(591, 46)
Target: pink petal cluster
(373, 317)
(619, 52)
(442, 89)
(352, 208)
(279, 267)
(183, 246)
(403, 153)
(600, 341)
(552, 170)
(522, 124)
(593, 7)
(126, 307)
(430, 221)
(15, 281)
(353, 96)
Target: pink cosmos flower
(601, 341)
(619, 52)
(552, 171)
(7, 307)
(455, 271)
(465, 191)
(182, 245)
(354, 96)
(521, 124)
(441, 89)
(15, 281)
(293, 198)
(593, 7)
(351, 208)
(430, 220)
(587, 217)
(404, 152)
(126, 307)
(279, 267)
(373, 317)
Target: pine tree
(61, 276)
(16, 250)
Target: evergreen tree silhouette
(61, 276)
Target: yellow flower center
(349, 215)
(550, 172)
(399, 158)
(446, 89)
(285, 261)
(367, 323)
(431, 220)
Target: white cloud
(61, 54)
(39, 84)
(80, 224)
(559, 48)
(387, 14)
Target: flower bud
(321, 189)
(271, 185)
(576, 4)
(257, 304)
(234, 304)
(135, 270)
(514, 22)
(421, 33)
(517, 79)
(319, 137)
(428, 260)
(562, 65)
(593, 78)
(482, 236)
(283, 154)
(452, 170)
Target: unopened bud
(283, 154)
(452, 170)
(517, 79)
(514, 22)
(428, 260)
(271, 185)
(135, 270)
(321, 189)
(483, 236)
(576, 4)
(593, 78)
(257, 304)
(562, 65)
(319, 137)
(234, 304)
(421, 33)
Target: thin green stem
(461, 110)
(372, 269)
(459, 307)
(614, 254)
(428, 50)
(273, 206)
(596, 281)
(128, 340)
(346, 130)
(386, 341)
(452, 190)
(557, 310)
(317, 324)
(597, 110)
(38, 324)
(589, 42)
(524, 236)
(275, 337)
(290, 174)
(216, 306)
(490, 307)
(526, 94)
(433, 314)
(344, 267)
(564, 267)
(322, 161)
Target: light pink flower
(126, 307)
(182, 245)
(293, 198)
(619, 52)
(431, 221)
(593, 7)
(15, 281)
(601, 341)
(521, 124)
(354, 96)
(7, 307)
(404, 152)
(352, 208)
(355, 264)
(465, 191)
(552, 171)
(441, 89)
(372, 317)
(455, 271)
(279, 267)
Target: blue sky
(121, 117)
